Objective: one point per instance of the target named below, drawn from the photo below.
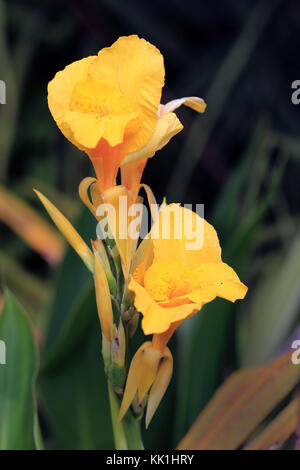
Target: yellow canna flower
(109, 106)
(176, 271)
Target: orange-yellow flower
(178, 269)
(109, 106)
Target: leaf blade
(17, 378)
(241, 404)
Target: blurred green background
(241, 159)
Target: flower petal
(166, 127)
(104, 306)
(88, 128)
(141, 375)
(197, 104)
(60, 91)
(180, 234)
(216, 280)
(157, 319)
(136, 68)
(83, 190)
(160, 385)
(123, 222)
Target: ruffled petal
(216, 280)
(157, 319)
(60, 90)
(88, 128)
(180, 234)
(136, 68)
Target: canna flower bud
(118, 211)
(150, 371)
(104, 306)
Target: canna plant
(109, 106)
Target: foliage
(243, 162)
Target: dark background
(195, 38)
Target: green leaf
(227, 210)
(274, 307)
(18, 420)
(79, 319)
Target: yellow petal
(157, 319)
(60, 90)
(151, 201)
(141, 375)
(88, 128)
(115, 127)
(67, 229)
(173, 280)
(160, 385)
(83, 190)
(142, 259)
(218, 280)
(166, 127)
(92, 95)
(87, 108)
(179, 234)
(197, 104)
(136, 68)
(148, 370)
(119, 201)
(104, 306)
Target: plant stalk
(127, 433)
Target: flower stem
(127, 433)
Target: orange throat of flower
(106, 161)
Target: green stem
(118, 428)
(133, 432)
(127, 433)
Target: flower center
(162, 279)
(93, 95)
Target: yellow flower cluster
(108, 105)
